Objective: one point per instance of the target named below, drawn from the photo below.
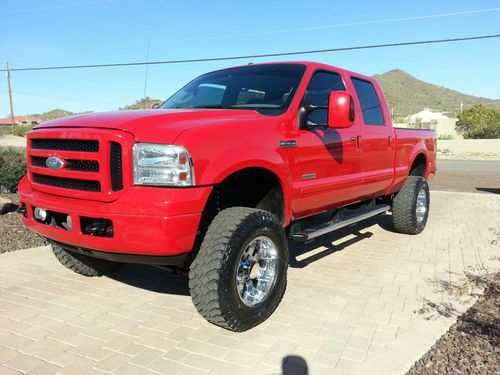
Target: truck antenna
(146, 76)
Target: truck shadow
(488, 190)
(166, 281)
(298, 252)
(154, 279)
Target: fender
(225, 164)
(419, 149)
(401, 174)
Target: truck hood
(159, 125)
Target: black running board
(322, 229)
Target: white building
(435, 120)
(426, 118)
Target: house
(435, 120)
(426, 119)
(20, 120)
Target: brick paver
(363, 300)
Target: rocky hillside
(407, 95)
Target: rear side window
(370, 104)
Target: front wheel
(410, 207)
(82, 264)
(238, 278)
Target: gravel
(13, 234)
(472, 344)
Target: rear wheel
(239, 276)
(84, 265)
(410, 207)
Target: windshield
(266, 88)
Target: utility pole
(461, 107)
(7, 73)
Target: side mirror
(155, 106)
(340, 110)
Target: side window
(317, 94)
(370, 104)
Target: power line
(39, 9)
(350, 24)
(226, 58)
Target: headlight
(156, 164)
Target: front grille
(67, 183)
(93, 162)
(115, 166)
(71, 164)
(64, 145)
(82, 165)
(38, 161)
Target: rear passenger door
(376, 142)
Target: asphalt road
(469, 165)
(477, 176)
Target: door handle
(389, 140)
(356, 139)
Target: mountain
(407, 95)
(55, 113)
(145, 103)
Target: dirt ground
(472, 344)
(13, 234)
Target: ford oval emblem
(54, 163)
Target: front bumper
(147, 221)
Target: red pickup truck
(222, 176)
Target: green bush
(4, 129)
(445, 137)
(12, 169)
(479, 122)
(21, 130)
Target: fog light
(40, 214)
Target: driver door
(327, 161)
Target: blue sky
(66, 32)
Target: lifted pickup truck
(222, 175)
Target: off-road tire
(212, 274)
(404, 206)
(84, 265)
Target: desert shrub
(21, 130)
(479, 122)
(4, 129)
(445, 137)
(12, 169)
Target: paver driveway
(364, 300)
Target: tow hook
(22, 210)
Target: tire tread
(206, 269)
(83, 265)
(403, 206)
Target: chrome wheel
(421, 208)
(257, 271)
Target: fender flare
(274, 164)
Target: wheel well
(419, 166)
(250, 187)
